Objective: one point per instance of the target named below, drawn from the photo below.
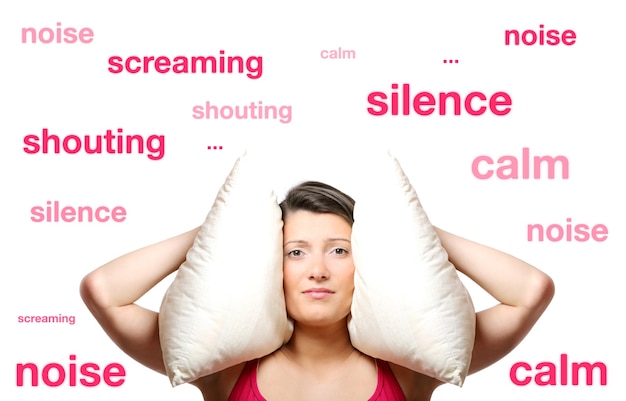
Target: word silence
(401, 101)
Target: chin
(318, 319)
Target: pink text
(569, 232)
(97, 144)
(87, 374)
(552, 37)
(425, 103)
(513, 167)
(553, 374)
(58, 35)
(54, 213)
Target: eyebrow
(300, 241)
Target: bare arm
(523, 292)
(110, 293)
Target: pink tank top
(246, 388)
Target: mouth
(318, 293)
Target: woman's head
(318, 271)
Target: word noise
(57, 35)
(529, 37)
(88, 374)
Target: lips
(318, 293)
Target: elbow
(546, 289)
(541, 291)
(91, 290)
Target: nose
(319, 271)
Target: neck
(315, 345)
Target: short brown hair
(317, 197)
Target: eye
(340, 251)
(295, 253)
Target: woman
(318, 362)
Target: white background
(567, 100)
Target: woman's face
(318, 272)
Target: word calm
(338, 54)
(511, 167)
(54, 213)
(552, 37)
(88, 374)
(58, 35)
(561, 373)
(402, 102)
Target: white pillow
(226, 304)
(409, 307)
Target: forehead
(305, 225)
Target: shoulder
(218, 386)
(416, 386)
